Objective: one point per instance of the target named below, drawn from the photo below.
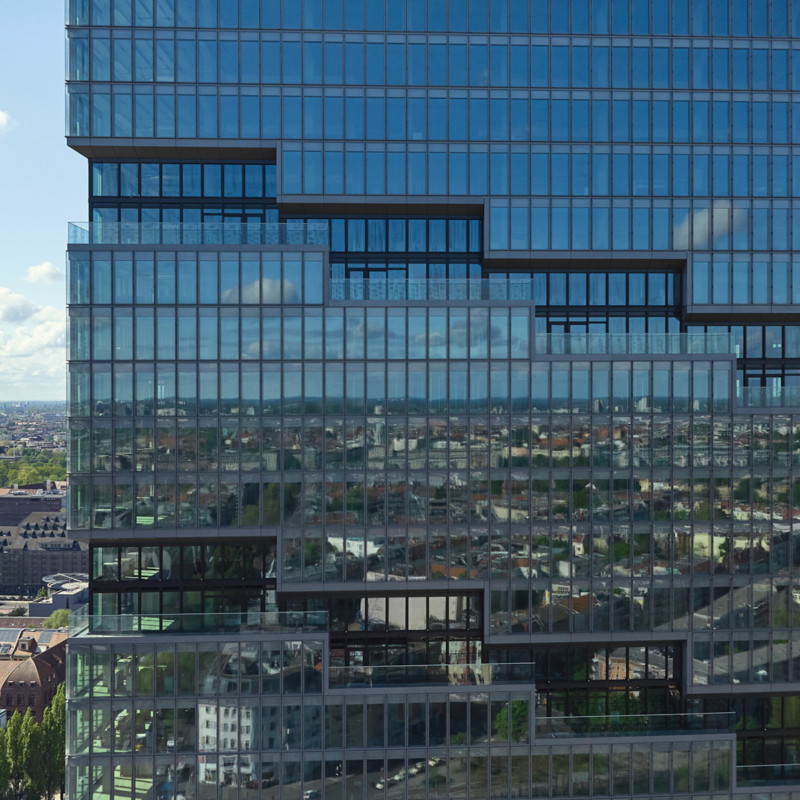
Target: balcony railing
(634, 343)
(84, 624)
(194, 233)
(433, 289)
(767, 774)
(768, 396)
(430, 674)
(634, 725)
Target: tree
(15, 755)
(18, 611)
(57, 748)
(5, 772)
(34, 756)
(33, 467)
(58, 619)
(520, 715)
(53, 739)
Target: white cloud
(33, 347)
(5, 120)
(43, 273)
(15, 307)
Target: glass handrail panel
(634, 724)
(425, 674)
(234, 622)
(768, 396)
(767, 774)
(218, 233)
(598, 343)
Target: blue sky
(42, 187)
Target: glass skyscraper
(434, 393)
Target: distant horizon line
(40, 402)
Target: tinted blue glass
(780, 123)
(540, 172)
(539, 71)
(580, 15)
(740, 16)
(333, 14)
(680, 175)
(620, 16)
(741, 125)
(416, 64)
(720, 121)
(478, 65)
(333, 62)
(458, 119)
(641, 17)
(519, 16)
(499, 65)
(354, 15)
(334, 117)
(680, 121)
(700, 17)
(700, 131)
(520, 129)
(559, 18)
(437, 65)
(559, 74)
(660, 19)
(354, 63)
(760, 122)
(700, 184)
(600, 121)
(600, 175)
(600, 16)
(780, 69)
(621, 121)
(641, 68)
(560, 174)
(700, 68)
(720, 12)
(312, 62)
(376, 20)
(580, 120)
(354, 117)
(680, 17)
(477, 16)
(560, 121)
(599, 67)
(621, 68)
(312, 14)
(376, 118)
(759, 65)
(580, 66)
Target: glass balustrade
(87, 625)
(196, 233)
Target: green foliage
(33, 467)
(32, 755)
(520, 715)
(5, 772)
(18, 611)
(54, 733)
(15, 753)
(42, 592)
(58, 619)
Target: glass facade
(434, 397)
